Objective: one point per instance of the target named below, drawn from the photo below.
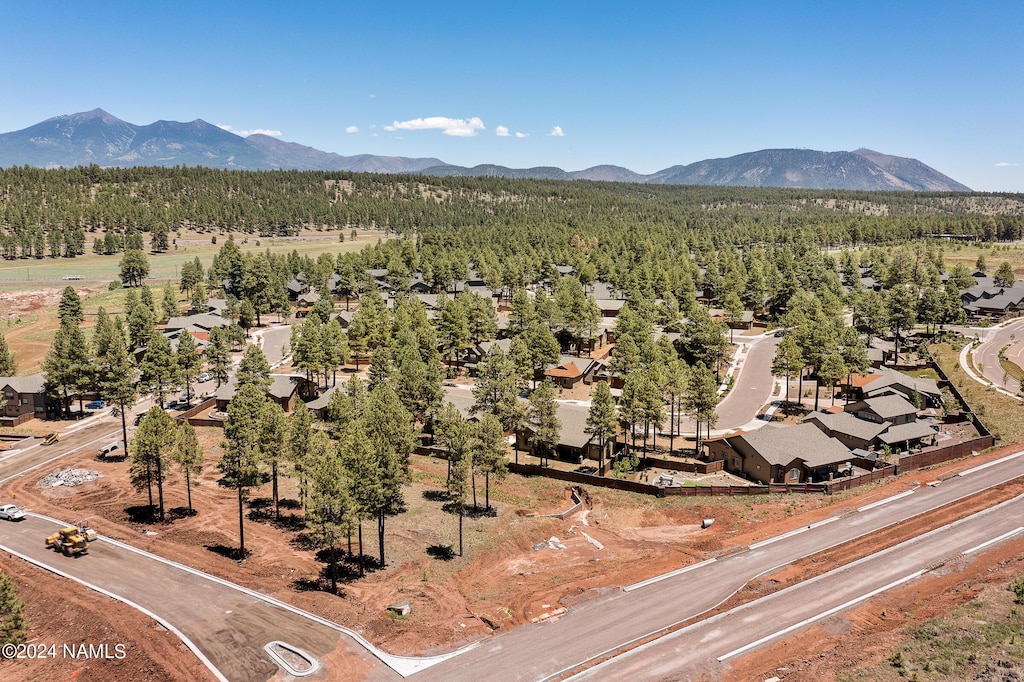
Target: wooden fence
(837, 485)
(715, 490)
(690, 467)
(189, 415)
(930, 456)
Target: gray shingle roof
(31, 383)
(780, 445)
(845, 423)
(889, 406)
(909, 431)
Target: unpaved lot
(501, 580)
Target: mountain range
(96, 137)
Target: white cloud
(557, 132)
(1007, 164)
(522, 135)
(501, 131)
(458, 127)
(352, 129)
(247, 133)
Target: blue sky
(644, 86)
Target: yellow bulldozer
(68, 540)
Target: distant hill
(96, 137)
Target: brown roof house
(781, 454)
(570, 370)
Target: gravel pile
(68, 477)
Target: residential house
(284, 389)
(574, 443)
(891, 408)
(847, 429)
(883, 381)
(24, 398)
(781, 454)
(571, 370)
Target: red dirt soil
(61, 612)
(453, 601)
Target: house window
(24, 401)
(794, 474)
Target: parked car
(205, 376)
(95, 405)
(11, 512)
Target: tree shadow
(176, 513)
(436, 495)
(141, 513)
(291, 522)
(289, 503)
(481, 512)
(441, 552)
(229, 552)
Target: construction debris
(68, 478)
(592, 541)
(552, 543)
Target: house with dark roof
(24, 398)
(847, 429)
(574, 442)
(781, 454)
(320, 403)
(884, 381)
(892, 408)
(199, 322)
(908, 435)
(284, 389)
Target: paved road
(229, 626)
(754, 385)
(535, 652)
(32, 455)
(986, 354)
(706, 648)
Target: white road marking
(820, 616)
(403, 665)
(185, 640)
(53, 459)
(968, 472)
(791, 533)
(666, 576)
(993, 541)
(885, 501)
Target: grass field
(1003, 415)
(30, 290)
(35, 273)
(994, 255)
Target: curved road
(754, 385)
(986, 354)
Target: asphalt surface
(230, 627)
(601, 625)
(753, 387)
(986, 354)
(707, 647)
